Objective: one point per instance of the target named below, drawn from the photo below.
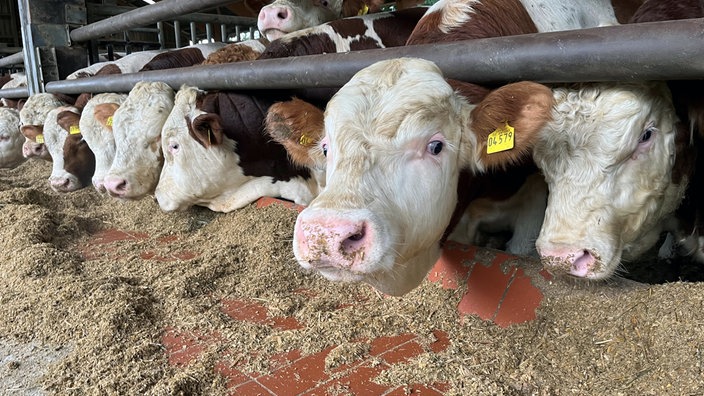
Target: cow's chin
(395, 279)
(273, 34)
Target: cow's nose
(60, 183)
(573, 261)
(116, 186)
(340, 243)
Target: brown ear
(103, 113)
(525, 106)
(32, 131)
(206, 129)
(298, 126)
(68, 120)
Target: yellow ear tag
(39, 139)
(305, 140)
(108, 122)
(74, 130)
(500, 140)
(363, 11)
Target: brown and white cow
(73, 161)
(137, 131)
(217, 155)
(11, 140)
(96, 128)
(182, 57)
(402, 147)
(32, 117)
(286, 16)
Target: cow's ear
(20, 103)
(32, 131)
(508, 121)
(68, 120)
(206, 129)
(298, 126)
(104, 112)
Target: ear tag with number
(108, 122)
(501, 139)
(74, 130)
(39, 139)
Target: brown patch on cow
(12, 104)
(67, 119)
(177, 58)
(82, 100)
(206, 129)
(298, 126)
(68, 99)
(352, 8)
(108, 70)
(103, 113)
(349, 28)
(231, 53)
(526, 106)
(625, 9)
(5, 79)
(472, 92)
(488, 20)
(79, 160)
(32, 131)
(395, 30)
(303, 45)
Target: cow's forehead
(184, 108)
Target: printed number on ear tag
(39, 139)
(500, 140)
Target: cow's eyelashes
(649, 132)
(435, 147)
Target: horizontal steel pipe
(107, 10)
(14, 93)
(14, 59)
(648, 51)
(161, 11)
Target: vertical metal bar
(223, 33)
(162, 39)
(209, 32)
(237, 32)
(194, 39)
(251, 33)
(177, 33)
(31, 60)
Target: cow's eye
(325, 149)
(435, 147)
(173, 147)
(324, 3)
(647, 135)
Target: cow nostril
(356, 237)
(283, 14)
(354, 242)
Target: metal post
(237, 33)
(223, 33)
(160, 35)
(31, 60)
(209, 32)
(177, 33)
(194, 39)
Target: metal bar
(648, 51)
(108, 10)
(194, 37)
(209, 32)
(177, 34)
(14, 59)
(32, 65)
(142, 16)
(14, 93)
(160, 35)
(237, 33)
(223, 33)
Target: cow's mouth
(273, 34)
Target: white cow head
(73, 162)
(96, 127)
(397, 139)
(11, 139)
(137, 131)
(32, 117)
(608, 159)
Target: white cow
(96, 127)
(399, 142)
(11, 139)
(32, 117)
(612, 159)
(137, 130)
(73, 161)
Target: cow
(73, 161)
(247, 50)
(11, 139)
(96, 128)
(32, 117)
(217, 155)
(182, 57)
(136, 128)
(286, 16)
(131, 63)
(402, 147)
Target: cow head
(398, 136)
(32, 117)
(11, 139)
(137, 131)
(286, 16)
(73, 163)
(96, 128)
(608, 158)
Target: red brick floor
(495, 290)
